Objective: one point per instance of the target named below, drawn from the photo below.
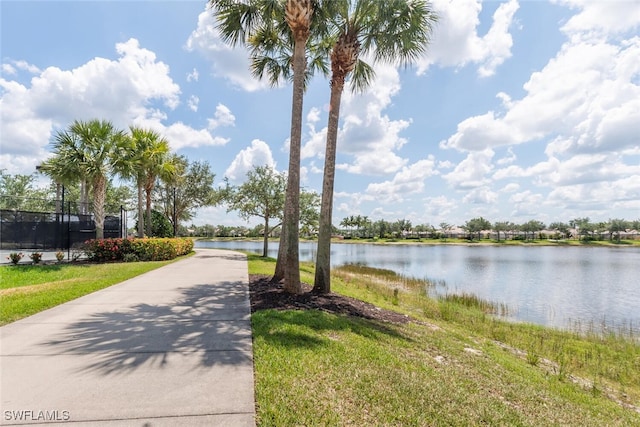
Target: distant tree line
(477, 228)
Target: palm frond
(362, 77)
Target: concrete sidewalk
(171, 347)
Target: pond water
(548, 285)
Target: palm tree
(86, 150)
(146, 160)
(276, 48)
(389, 31)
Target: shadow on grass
(300, 328)
(210, 321)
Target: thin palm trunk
(292, 200)
(84, 196)
(99, 195)
(298, 15)
(322, 282)
(278, 274)
(140, 210)
(148, 189)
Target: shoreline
(452, 242)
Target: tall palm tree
(259, 24)
(392, 31)
(86, 149)
(146, 160)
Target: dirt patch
(267, 295)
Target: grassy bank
(29, 289)
(455, 365)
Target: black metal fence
(54, 230)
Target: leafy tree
(446, 228)
(261, 195)
(617, 226)
(532, 227)
(190, 188)
(115, 197)
(309, 211)
(88, 150)
(160, 225)
(388, 31)
(560, 228)
(347, 222)
(476, 226)
(584, 226)
(18, 193)
(501, 226)
(381, 228)
(401, 227)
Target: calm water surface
(547, 285)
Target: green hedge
(134, 249)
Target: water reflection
(553, 286)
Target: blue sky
(519, 110)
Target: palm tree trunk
(84, 197)
(278, 274)
(99, 195)
(148, 211)
(148, 188)
(140, 210)
(322, 281)
(292, 199)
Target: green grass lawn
(29, 289)
(455, 365)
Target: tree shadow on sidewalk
(209, 321)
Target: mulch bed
(265, 294)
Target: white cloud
(193, 103)
(179, 134)
(526, 204)
(118, 90)
(440, 208)
(13, 66)
(258, 154)
(9, 69)
(471, 172)
(508, 159)
(510, 188)
(182, 136)
(584, 105)
(227, 62)
(480, 196)
(588, 95)
(367, 134)
(409, 180)
(193, 76)
(222, 117)
(456, 42)
(313, 116)
(601, 18)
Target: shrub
(59, 256)
(102, 250)
(130, 257)
(36, 257)
(15, 257)
(154, 249)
